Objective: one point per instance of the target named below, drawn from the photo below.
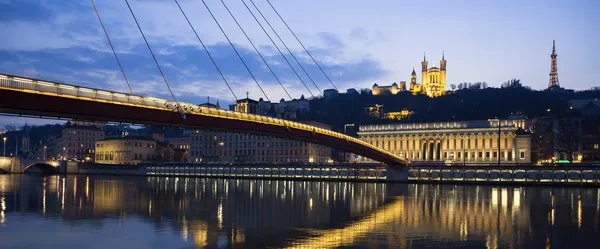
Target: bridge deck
(36, 97)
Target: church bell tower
(424, 74)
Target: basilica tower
(443, 73)
(434, 78)
(424, 73)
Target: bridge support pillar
(396, 173)
(66, 167)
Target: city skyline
(355, 46)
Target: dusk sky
(357, 43)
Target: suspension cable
(313, 59)
(155, 60)
(235, 49)
(281, 40)
(282, 55)
(111, 47)
(206, 49)
(256, 49)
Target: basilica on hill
(433, 81)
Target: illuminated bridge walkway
(26, 96)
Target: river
(71, 212)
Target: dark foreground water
(117, 212)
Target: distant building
(415, 88)
(433, 82)
(402, 85)
(125, 150)
(457, 142)
(330, 93)
(591, 140)
(567, 137)
(181, 146)
(401, 115)
(434, 78)
(181, 142)
(283, 109)
(542, 147)
(210, 105)
(382, 90)
(351, 91)
(232, 147)
(75, 142)
(87, 123)
(246, 105)
(375, 111)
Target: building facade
(591, 140)
(233, 147)
(467, 142)
(76, 142)
(434, 78)
(433, 81)
(283, 109)
(125, 150)
(380, 90)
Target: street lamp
(4, 150)
(45, 152)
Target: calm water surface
(118, 212)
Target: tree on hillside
(567, 136)
(514, 83)
(595, 89)
(452, 86)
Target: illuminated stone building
(125, 150)
(465, 142)
(232, 147)
(401, 115)
(434, 78)
(380, 90)
(433, 81)
(414, 87)
(246, 105)
(375, 111)
(75, 142)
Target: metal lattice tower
(553, 70)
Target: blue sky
(358, 43)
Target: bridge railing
(71, 91)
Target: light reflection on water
(118, 212)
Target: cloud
(66, 44)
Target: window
(495, 154)
(480, 154)
(522, 154)
(487, 154)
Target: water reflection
(229, 213)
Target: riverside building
(468, 142)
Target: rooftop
(128, 138)
(474, 124)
